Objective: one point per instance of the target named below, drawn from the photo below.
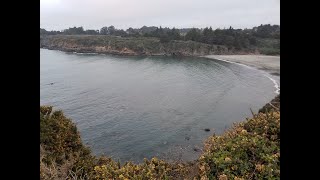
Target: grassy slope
(144, 45)
(153, 45)
(269, 46)
(138, 45)
(249, 150)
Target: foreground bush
(249, 150)
(62, 153)
(149, 169)
(63, 156)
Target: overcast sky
(94, 14)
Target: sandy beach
(270, 64)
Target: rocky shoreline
(133, 46)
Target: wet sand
(270, 64)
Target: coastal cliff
(106, 44)
(248, 150)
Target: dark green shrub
(249, 150)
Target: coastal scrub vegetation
(248, 150)
(264, 38)
(128, 45)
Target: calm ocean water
(135, 107)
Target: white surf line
(233, 62)
(276, 85)
(84, 53)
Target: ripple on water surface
(135, 107)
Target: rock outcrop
(130, 46)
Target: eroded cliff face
(130, 46)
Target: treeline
(230, 37)
(71, 31)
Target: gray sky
(94, 14)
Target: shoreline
(266, 63)
(270, 64)
(226, 57)
(198, 56)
